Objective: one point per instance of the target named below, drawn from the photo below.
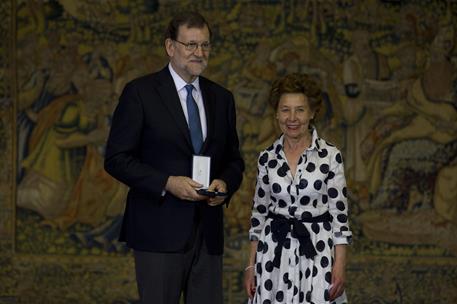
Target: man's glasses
(193, 46)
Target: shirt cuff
(342, 238)
(254, 235)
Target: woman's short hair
(190, 19)
(297, 83)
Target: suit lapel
(169, 97)
(209, 103)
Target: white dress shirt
(196, 93)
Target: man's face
(187, 63)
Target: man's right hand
(184, 188)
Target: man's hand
(219, 186)
(184, 188)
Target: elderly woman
(299, 223)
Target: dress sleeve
(338, 205)
(261, 199)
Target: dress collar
(317, 144)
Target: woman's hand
(249, 281)
(338, 280)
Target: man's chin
(197, 72)
(197, 69)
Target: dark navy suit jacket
(149, 141)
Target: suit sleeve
(232, 173)
(123, 146)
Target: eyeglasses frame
(197, 45)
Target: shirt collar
(180, 83)
(316, 143)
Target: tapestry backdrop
(388, 70)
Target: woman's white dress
(319, 186)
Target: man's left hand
(219, 186)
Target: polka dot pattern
(318, 186)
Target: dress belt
(281, 225)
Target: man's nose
(198, 51)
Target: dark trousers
(163, 277)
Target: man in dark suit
(162, 121)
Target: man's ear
(169, 47)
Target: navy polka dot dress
(319, 186)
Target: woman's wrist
(248, 267)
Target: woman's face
(294, 114)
